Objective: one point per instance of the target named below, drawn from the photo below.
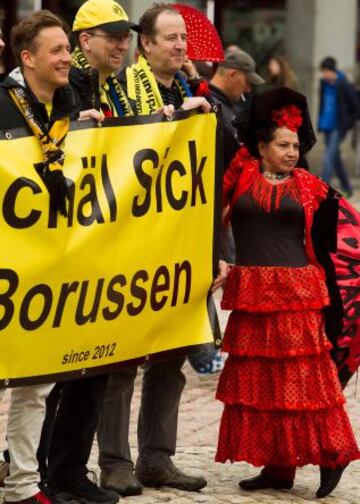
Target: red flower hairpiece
(289, 117)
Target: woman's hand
(225, 214)
(220, 279)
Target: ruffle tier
(301, 383)
(271, 289)
(275, 334)
(283, 400)
(321, 437)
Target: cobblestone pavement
(197, 437)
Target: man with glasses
(102, 31)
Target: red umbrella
(203, 40)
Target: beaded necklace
(275, 176)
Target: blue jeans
(333, 161)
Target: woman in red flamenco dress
(284, 406)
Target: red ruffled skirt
(283, 401)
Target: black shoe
(169, 476)
(122, 481)
(57, 499)
(329, 479)
(263, 481)
(84, 490)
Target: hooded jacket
(66, 103)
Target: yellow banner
(127, 273)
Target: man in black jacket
(102, 33)
(37, 96)
(233, 78)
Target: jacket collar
(220, 94)
(64, 101)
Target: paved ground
(198, 425)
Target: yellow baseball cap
(105, 14)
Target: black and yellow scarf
(52, 143)
(144, 90)
(111, 93)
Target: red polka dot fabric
(283, 401)
(269, 288)
(261, 335)
(203, 41)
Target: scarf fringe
(269, 196)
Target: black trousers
(72, 415)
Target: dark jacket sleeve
(85, 84)
(231, 142)
(324, 237)
(10, 117)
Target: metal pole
(26, 8)
(210, 10)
